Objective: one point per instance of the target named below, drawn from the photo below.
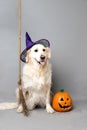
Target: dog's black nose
(42, 57)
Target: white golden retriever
(36, 79)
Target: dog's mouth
(42, 62)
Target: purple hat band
(30, 43)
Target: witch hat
(30, 44)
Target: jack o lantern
(62, 101)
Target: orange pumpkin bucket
(62, 101)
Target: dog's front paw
(49, 109)
(20, 108)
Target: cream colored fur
(36, 79)
(7, 105)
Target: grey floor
(38, 119)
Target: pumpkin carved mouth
(64, 106)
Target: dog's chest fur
(36, 78)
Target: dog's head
(38, 54)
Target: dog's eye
(43, 49)
(36, 50)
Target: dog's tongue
(42, 63)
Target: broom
(21, 96)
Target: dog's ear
(27, 59)
(28, 56)
(48, 52)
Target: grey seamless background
(64, 23)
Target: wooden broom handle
(19, 39)
(21, 96)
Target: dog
(36, 79)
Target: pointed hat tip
(28, 37)
(26, 33)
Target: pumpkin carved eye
(67, 99)
(61, 99)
